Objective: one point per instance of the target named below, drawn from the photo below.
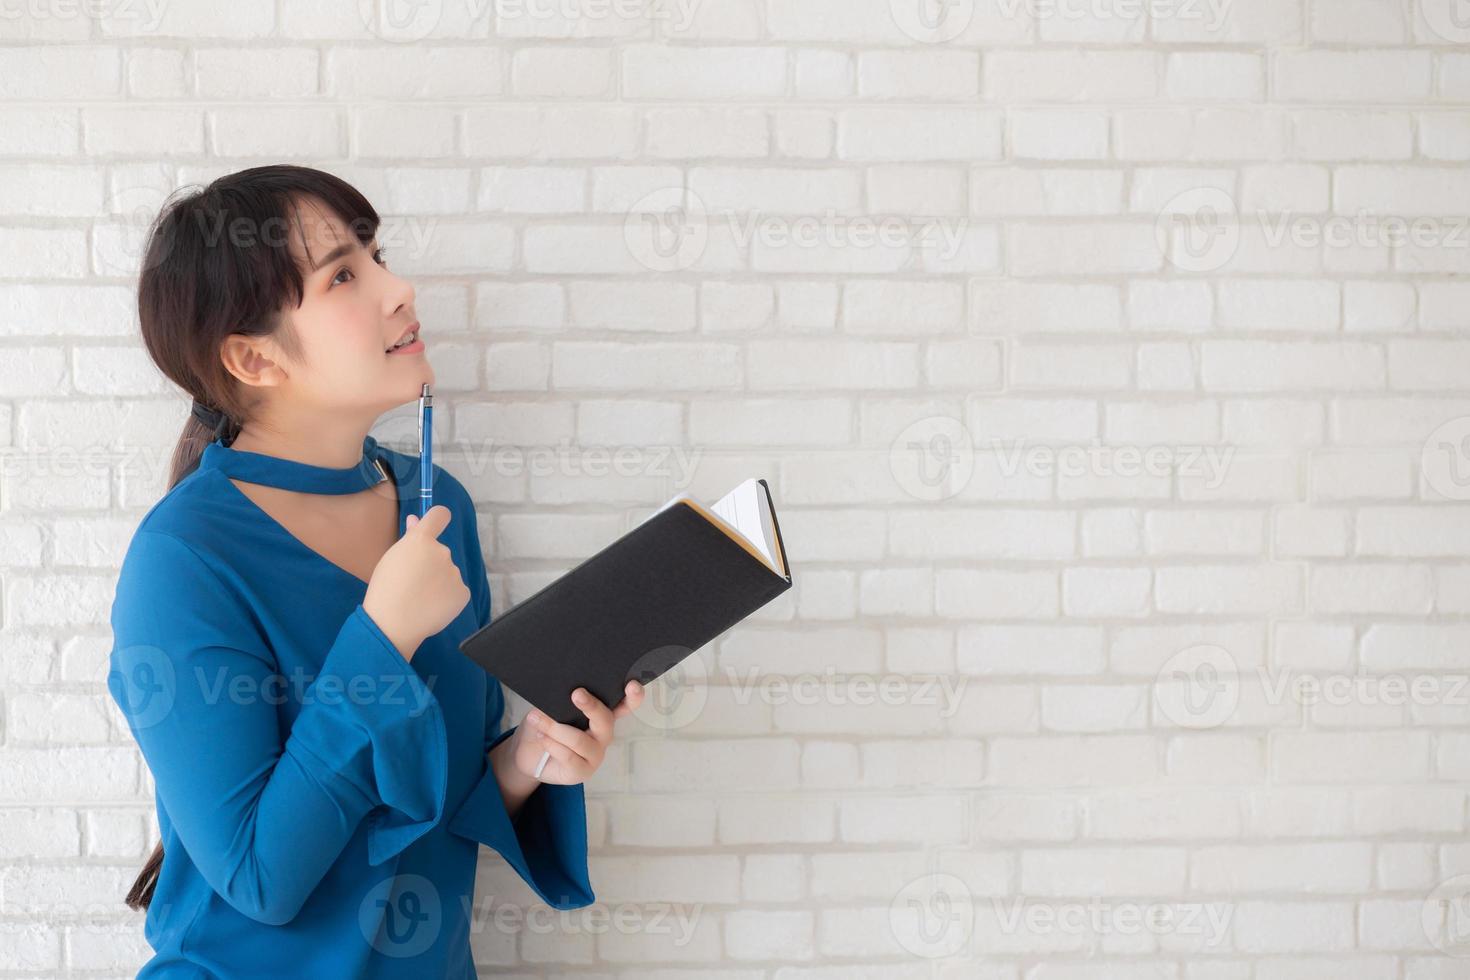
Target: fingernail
(579, 695)
(534, 717)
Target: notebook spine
(780, 541)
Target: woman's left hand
(575, 754)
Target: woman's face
(352, 310)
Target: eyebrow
(336, 254)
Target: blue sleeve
(263, 814)
(546, 843)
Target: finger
(632, 699)
(599, 715)
(572, 764)
(412, 520)
(434, 522)
(572, 737)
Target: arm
(515, 786)
(261, 817)
(539, 828)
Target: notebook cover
(630, 612)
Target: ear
(253, 360)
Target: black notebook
(677, 580)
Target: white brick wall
(1103, 356)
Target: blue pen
(426, 461)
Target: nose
(398, 293)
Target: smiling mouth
(409, 338)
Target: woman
(286, 632)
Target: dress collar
(290, 474)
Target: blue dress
(321, 800)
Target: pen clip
(424, 397)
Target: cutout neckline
(293, 474)
(290, 474)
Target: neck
(336, 443)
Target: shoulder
(182, 543)
(188, 516)
(177, 581)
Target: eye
(377, 257)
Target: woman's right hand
(416, 589)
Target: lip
(416, 345)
